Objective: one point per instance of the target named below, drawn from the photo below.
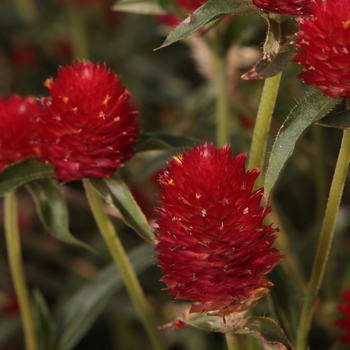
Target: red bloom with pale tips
(325, 47)
(213, 247)
(91, 130)
(344, 322)
(18, 130)
(285, 7)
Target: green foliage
(304, 114)
(87, 303)
(21, 173)
(116, 193)
(52, 209)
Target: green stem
(325, 241)
(222, 102)
(263, 121)
(17, 271)
(234, 341)
(120, 258)
(77, 19)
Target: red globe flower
(91, 130)
(213, 247)
(18, 137)
(344, 322)
(325, 47)
(285, 7)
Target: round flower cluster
(213, 246)
(324, 47)
(86, 128)
(285, 8)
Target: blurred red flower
(344, 322)
(172, 19)
(213, 247)
(285, 7)
(18, 137)
(91, 129)
(325, 47)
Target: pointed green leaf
(145, 7)
(44, 322)
(116, 193)
(339, 120)
(306, 112)
(86, 305)
(23, 172)
(278, 50)
(266, 330)
(209, 11)
(52, 210)
(154, 141)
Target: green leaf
(86, 305)
(266, 330)
(209, 11)
(145, 7)
(52, 210)
(306, 112)
(44, 322)
(339, 120)
(278, 50)
(155, 141)
(116, 193)
(23, 172)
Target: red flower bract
(344, 322)
(18, 129)
(213, 247)
(285, 7)
(325, 47)
(92, 128)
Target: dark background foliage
(175, 93)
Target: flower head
(325, 47)
(213, 247)
(18, 129)
(91, 130)
(344, 322)
(285, 7)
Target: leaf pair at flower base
(265, 329)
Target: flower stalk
(121, 260)
(324, 245)
(263, 122)
(17, 272)
(234, 341)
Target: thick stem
(222, 102)
(325, 241)
(234, 341)
(263, 121)
(120, 258)
(77, 19)
(17, 271)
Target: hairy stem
(324, 245)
